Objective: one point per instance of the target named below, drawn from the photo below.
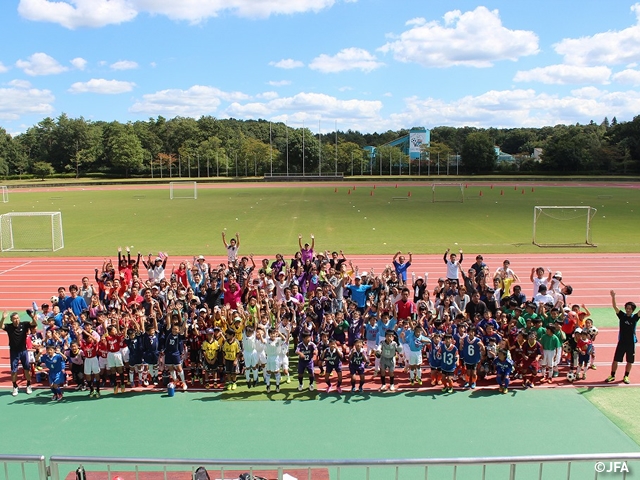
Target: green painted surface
(373, 425)
(620, 405)
(270, 219)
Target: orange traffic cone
(491, 187)
(409, 194)
(349, 192)
(501, 192)
(480, 192)
(371, 193)
(523, 191)
(335, 190)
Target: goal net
(447, 192)
(183, 190)
(568, 226)
(31, 232)
(5, 193)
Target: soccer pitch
(360, 220)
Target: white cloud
(346, 59)
(606, 48)
(124, 65)
(20, 83)
(268, 95)
(564, 74)
(73, 14)
(476, 38)
(279, 83)
(627, 77)
(100, 85)
(518, 108)
(79, 63)
(311, 106)
(193, 102)
(40, 64)
(21, 100)
(3, 68)
(287, 64)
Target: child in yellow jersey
(209, 351)
(231, 350)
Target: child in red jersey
(115, 364)
(531, 352)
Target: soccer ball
(566, 348)
(54, 300)
(592, 331)
(571, 376)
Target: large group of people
(141, 323)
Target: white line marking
(16, 267)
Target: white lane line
(16, 267)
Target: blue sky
(369, 65)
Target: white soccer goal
(447, 192)
(5, 193)
(31, 232)
(183, 190)
(563, 226)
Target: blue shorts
(305, 366)
(356, 369)
(332, 368)
(173, 359)
(57, 378)
(18, 358)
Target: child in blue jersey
(472, 351)
(134, 343)
(358, 358)
(307, 351)
(55, 362)
(415, 341)
(435, 359)
(173, 348)
(371, 335)
(459, 333)
(332, 358)
(151, 351)
(448, 362)
(504, 367)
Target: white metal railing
(579, 466)
(23, 467)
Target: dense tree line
(207, 146)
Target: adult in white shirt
(453, 265)
(538, 278)
(505, 271)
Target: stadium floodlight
(183, 190)
(447, 192)
(31, 232)
(563, 226)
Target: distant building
(410, 145)
(503, 157)
(537, 154)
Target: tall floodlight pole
(319, 150)
(336, 148)
(286, 129)
(303, 148)
(270, 149)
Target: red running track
(23, 280)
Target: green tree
(42, 169)
(478, 154)
(123, 149)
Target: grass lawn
(620, 405)
(269, 219)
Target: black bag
(247, 476)
(80, 473)
(201, 474)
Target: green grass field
(270, 219)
